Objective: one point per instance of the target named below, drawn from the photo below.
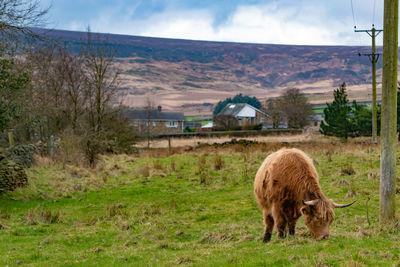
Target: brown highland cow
(286, 186)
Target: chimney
(159, 108)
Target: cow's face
(318, 217)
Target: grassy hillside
(193, 208)
(175, 73)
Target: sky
(302, 22)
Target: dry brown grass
(312, 144)
(117, 210)
(143, 171)
(218, 162)
(347, 170)
(201, 169)
(194, 141)
(39, 215)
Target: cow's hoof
(281, 235)
(267, 238)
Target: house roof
(208, 125)
(153, 115)
(235, 108)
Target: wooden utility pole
(389, 112)
(373, 58)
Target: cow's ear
(305, 210)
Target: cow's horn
(335, 205)
(309, 203)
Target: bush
(189, 130)
(256, 127)
(12, 175)
(120, 135)
(70, 148)
(22, 154)
(226, 123)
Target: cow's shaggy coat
(286, 186)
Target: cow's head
(319, 215)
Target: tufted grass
(191, 209)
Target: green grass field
(193, 208)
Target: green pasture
(192, 209)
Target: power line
(373, 58)
(373, 16)
(352, 12)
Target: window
(154, 124)
(171, 124)
(135, 123)
(147, 123)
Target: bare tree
(47, 89)
(102, 80)
(296, 108)
(21, 15)
(273, 108)
(74, 83)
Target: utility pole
(373, 57)
(387, 200)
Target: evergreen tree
(362, 119)
(338, 120)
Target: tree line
(47, 91)
(346, 120)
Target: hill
(177, 72)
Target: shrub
(189, 130)
(70, 150)
(22, 154)
(256, 127)
(226, 122)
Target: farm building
(156, 121)
(245, 113)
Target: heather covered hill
(179, 72)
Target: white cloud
(255, 24)
(269, 23)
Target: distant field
(193, 208)
(318, 111)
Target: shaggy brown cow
(286, 186)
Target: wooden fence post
(11, 139)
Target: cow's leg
(281, 223)
(292, 225)
(269, 225)
(293, 216)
